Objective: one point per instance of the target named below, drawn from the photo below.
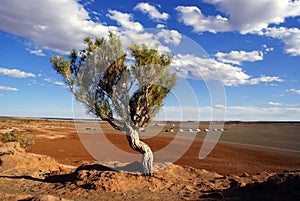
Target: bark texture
(141, 147)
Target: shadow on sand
(277, 188)
(57, 177)
(71, 177)
(285, 186)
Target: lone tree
(125, 92)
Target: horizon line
(157, 120)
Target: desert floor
(244, 148)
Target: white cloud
(3, 88)
(265, 79)
(38, 52)
(151, 37)
(129, 36)
(273, 103)
(151, 11)
(190, 66)
(160, 26)
(15, 73)
(170, 36)
(248, 16)
(125, 20)
(237, 57)
(267, 49)
(62, 25)
(59, 83)
(54, 82)
(254, 17)
(54, 25)
(290, 37)
(295, 91)
(192, 16)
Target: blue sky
(250, 48)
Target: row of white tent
(196, 130)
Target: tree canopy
(117, 86)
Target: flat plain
(243, 146)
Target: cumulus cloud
(265, 79)
(151, 11)
(154, 38)
(192, 16)
(248, 16)
(54, 25)
(125, 20)
(256, 17)
(237, 57)
(273, 103)
(267, 49)
(289, 36)
(54, 82)
(3, 88)
(38, 52)
(193, 67)
(160, 26)
(295, 91)
(62, 25)
(170, 36)
(15, 73)
(131, 31)
(243, 16)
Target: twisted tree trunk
(141, 147)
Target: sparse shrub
(25, 140)
(10, 137)
(2, 120)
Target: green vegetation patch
(25, 140)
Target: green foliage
(155, 83)
(2, 120)
(99, 78)
(10, 137)
(25, 140)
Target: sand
(58, 166)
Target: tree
(127, 97)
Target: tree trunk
(141, 147)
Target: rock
(46, 198)
(14, 158)
(10, 148)
(8, 196)
(242, 184)
(245, 174)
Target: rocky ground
(27, 176)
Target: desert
(251, 161)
